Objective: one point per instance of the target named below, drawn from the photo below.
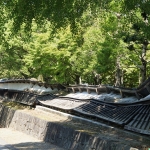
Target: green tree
(137, 39)
(59, 12)
(12, 52)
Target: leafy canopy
(59, 12)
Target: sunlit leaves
(60, 13)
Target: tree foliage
(65, 41)
(59, 12)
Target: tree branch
(135, 63)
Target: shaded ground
(15, 140)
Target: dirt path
(14, 140)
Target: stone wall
(55, 133)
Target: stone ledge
(55, 133)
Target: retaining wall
(55, 133)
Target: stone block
(59, 136)
(51, 134)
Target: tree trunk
(118, 75)
(77, 79)
(143, 71)
(144, 62)
(97, 78)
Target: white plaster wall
(34, 88)
(19, 86)
(45, 90)
(27, 86)
(3, 85)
